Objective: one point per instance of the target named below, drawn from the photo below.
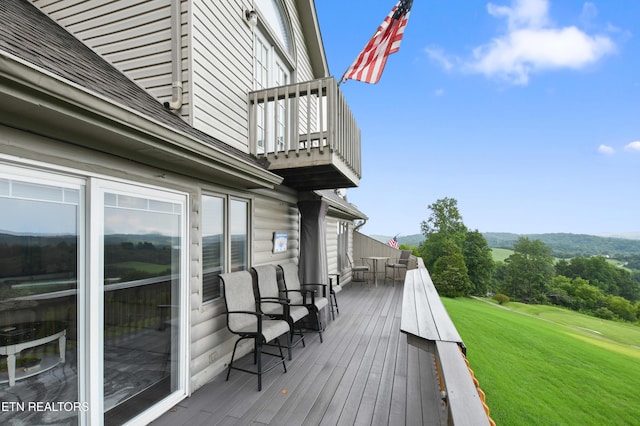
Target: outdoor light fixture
(252, 17)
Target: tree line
(461, 264)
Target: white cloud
(439, 92)
(523, 14)
(533, 43)
(436, 54)
(606, 149)
(633, 146)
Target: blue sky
(526, 112)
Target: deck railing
(428, 326)
(304, 117)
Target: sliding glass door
(143, 252)
(41, 242)
(93, 296)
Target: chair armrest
(258, 315)
(280, 300)
(304, 296)
(324, 288)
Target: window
(225, 229)
(270, 71)
(273, 13)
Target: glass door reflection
(142, 242)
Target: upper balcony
(307, 133)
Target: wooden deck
(363, 373)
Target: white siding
(133, 35)
(331, 231)
(272, 215)
(222, 63)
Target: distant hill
(411, 240)
(562, 244)
(570, 245)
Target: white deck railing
(311, 116)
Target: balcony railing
(308, 134)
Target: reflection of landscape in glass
(38, 297)
(134, 257)
(141, 264)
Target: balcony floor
(363, 373)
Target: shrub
(501, 298)
(604, 313)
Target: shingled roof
(29, 34)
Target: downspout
(176, 57)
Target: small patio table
(15, 338)
(375, 260)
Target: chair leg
(233, 354)
(319, 324)
(301, 335)
(280, 348)
(332, 298)
(289, 340)
(258, 346)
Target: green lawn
(500, 254)
(540, 365)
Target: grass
(541, 365)
(500, 254)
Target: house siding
(222, 63)
(134, 36)
(331, 231)
(217, 53)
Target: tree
(450, 272)
(432, 249)
(479, 262)
(444, 223)
(529, 270)
(621, 307)
(445, 218)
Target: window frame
(226, 262)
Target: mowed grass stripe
(538, 372)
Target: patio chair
(362, 269)
(247, 322)
(399, 264)
(269, 296)
(304, 294)
(334, 288)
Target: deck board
(358, 375)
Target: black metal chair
(271, 303)
(400, 264)
(248, 322)
(304, 294)
(361, 269)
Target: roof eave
(313, 37)
(72, 113)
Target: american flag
(393, 242)
(370, 63)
